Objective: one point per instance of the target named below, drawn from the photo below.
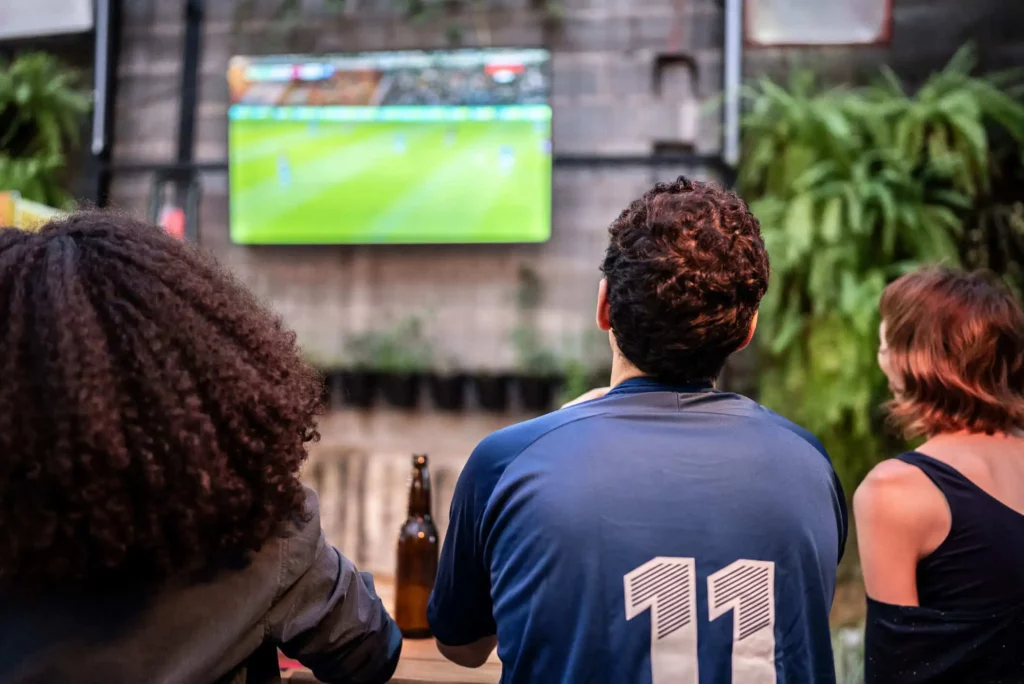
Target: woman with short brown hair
(941, 528)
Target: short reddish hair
(956, 340)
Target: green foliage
(532, 356)
(575, 359)
(41, 110)
(587, 364)
(848, 649)
(577, 381)
(995, 241)
(402, 348)
(854, 188)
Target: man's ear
(750, 333)
(604, 314)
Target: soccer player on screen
(284, 171)
(666, 532)
(506, 158)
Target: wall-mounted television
(391, 147)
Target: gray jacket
(298, 593)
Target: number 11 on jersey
(668, 588)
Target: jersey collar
(642, 385)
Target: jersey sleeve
(839, 496)
(460, 610)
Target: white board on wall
(817, 22)
(37, 18)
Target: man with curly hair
(153, 419)
(664, 531)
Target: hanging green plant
(854, 188)
(42, 104)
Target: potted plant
(326, 369)
(447, 388)
(491, 391)
(402, 354)
(401, 388)
(537, 365)
(539, 370)
(356, 384)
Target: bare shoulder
(971, 455)
(899, 495)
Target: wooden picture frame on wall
(816, 23)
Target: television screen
(391, 147)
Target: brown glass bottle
(417, 557)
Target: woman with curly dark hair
(153, 420)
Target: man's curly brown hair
(686, 269)
(153, 415)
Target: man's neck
(623, 370)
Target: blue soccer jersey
(674, 535)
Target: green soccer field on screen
(391, 148)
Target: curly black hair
(686, 268)
(153, 414)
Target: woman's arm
(327, 614)
(901, 517)
(332, 622)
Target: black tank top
(970, 623)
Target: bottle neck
(419, 493)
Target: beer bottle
(417, 557)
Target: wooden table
(421, 662)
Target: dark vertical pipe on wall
(189, 79)
(188, 186)
(107, 43)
